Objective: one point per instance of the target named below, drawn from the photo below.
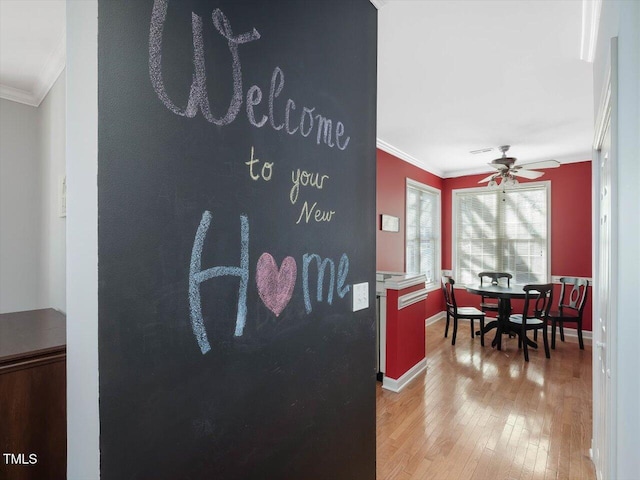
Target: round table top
(497, 291)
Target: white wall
(83, 429)
(52, 157)
(21, 286)
(622, 19)
(32, 235)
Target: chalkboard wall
(236, 202)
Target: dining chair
(534, 316)
(495, 280)
(573, 296)
(453, 310)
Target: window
(423, 231)
(505, 231)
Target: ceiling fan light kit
(508, 171)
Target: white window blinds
(423, 231)
(505, 231)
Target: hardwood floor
(480, 413)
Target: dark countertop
(32, 333)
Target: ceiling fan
(508, 171)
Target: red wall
(390, 199)
(570, 220)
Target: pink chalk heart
(275, 286)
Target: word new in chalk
(199, 98)
(275, 285)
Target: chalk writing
(318, 215)
(267, 168)
(197, 276)
(323, 264)
(275, 286)
(304, 178)
(199, 99)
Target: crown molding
(382, 145)
(48, 75)
(51, 70)
(591, 10)
(17, 95)
(378, 3)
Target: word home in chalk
(277, 116)
(275, 284)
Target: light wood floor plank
(483, 414)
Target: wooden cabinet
(33, 395)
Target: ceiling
(32, 48)
(456, 76)
(453, 76)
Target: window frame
(454, 223)
(411, 183)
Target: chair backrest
(448, 292)
(495, 277)
(537, 301)
(573, 294)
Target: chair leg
(455, 330)
(561, 330)
(482, 331)
(471, 322)
(535, 335)
(553, 334)
(523, 339)
(580, 334)
(546, 341)
(446, 328)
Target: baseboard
(397, 385)
(570, 334)
(434, 318)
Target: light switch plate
(360, 296)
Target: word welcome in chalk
(275, 285)
(199, 99)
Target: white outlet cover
(360, 296)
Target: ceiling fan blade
(543, 164)
(527, 173)
(490, 177)
(498, 166)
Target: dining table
(504, 295)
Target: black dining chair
(453, 310)
(573, 296)
(534, 316)
(494, 277)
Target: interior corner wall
(392, 174)
(32, 234)
(21, 229)
(52, 157)
(83, 454)
(622, 19)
